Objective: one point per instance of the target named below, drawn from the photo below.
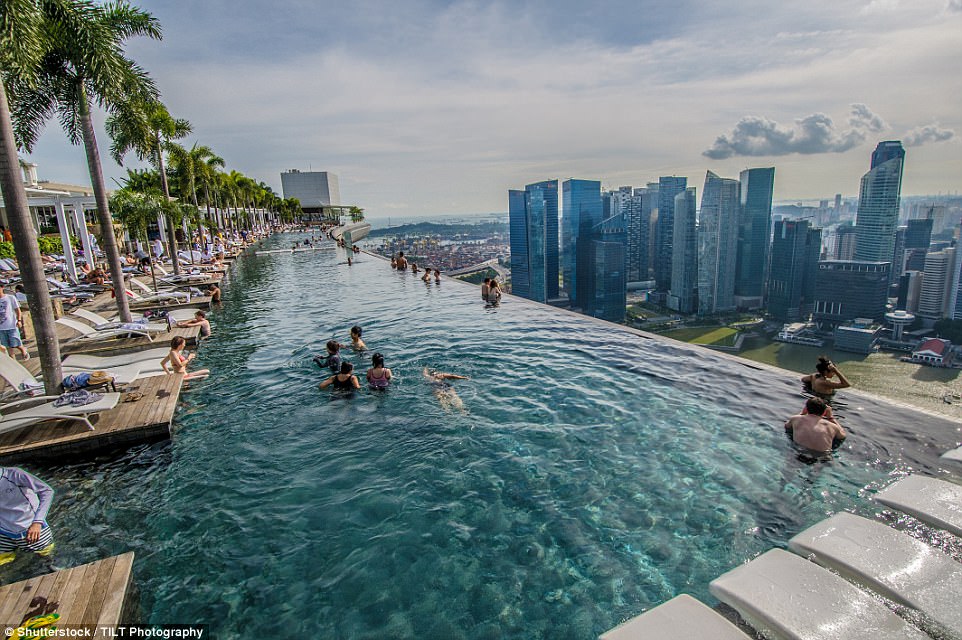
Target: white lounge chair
(682, 617)
(935, 502)
(100, 323)
(89, 362)
(149, 295)
(47, 411)
(90, 334)
(124, 374)
(891, 563)
(784, 596)
(18, 378)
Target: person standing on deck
(11, 321)
(158, 248)
(24, 502)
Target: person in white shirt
(11, 319)
(158, 248)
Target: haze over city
(440, 107)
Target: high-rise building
(683, 294)
(937, 284)
(581, 212)
(878, 204)
(668, 188)
(717, 244)
(754, 231)
(918, 236)
(955, 299)
(638, 223)
(602, 284)
(845, 242)
(533, 225)
(314, 189)
(794, 266)
(849, 289)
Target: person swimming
(378, 376)
(443, 391)
(356, 341)
(821, 381)
(332, 360)
(343, 381)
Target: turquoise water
(592, 474)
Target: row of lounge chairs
(792, 596)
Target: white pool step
(955, 455)
(893, 564)
(682, 617)
(787, 597)
(933, 501)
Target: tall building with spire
(717, 244)
(754, 231)
(533, 228)
(878, 204)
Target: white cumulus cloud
(928, 133)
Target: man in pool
(24, 502)
(816, 429)
(443, 391)
(199, 320)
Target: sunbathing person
(344, 381)
(443, 391)
(199, 320)
(178, 362)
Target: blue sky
(440, 107)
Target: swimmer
(437, 276)
(816, 428)
(443, 391)
(414, 268)
(378, 376)
(821, 381)
(349, 263)
(402, 262)
(344, 381)
(332, 360)
(494, 292)
(356, 341)
(394, 262)
(485, 289)
(427, 275)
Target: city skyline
(426, 108)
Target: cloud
(929, 133)
(954, 5)
(817, 133)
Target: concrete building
(937, 281)
(794, 267)
(899, 320)
(717, 244)
(858, 336)
(314, 189)
(933, 351)
(850, 289)
(845, 242)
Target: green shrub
(6, 250)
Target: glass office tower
(878, 204)
(683, 294)
(668, 188)
(754, 231)
(533, 225)
(717, 244)
(580, 214)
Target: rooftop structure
(314, 189)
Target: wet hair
(822, 365)
(200, 312)
(333, 346)
(815, 406)
(346, 367)
(487, 281)
(177, 341)
(377, 360)
(400, 254)
(356, 330)
(437, 272)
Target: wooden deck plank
(98, 592)
(117, 587)
(15, 600)
(128, 423)
(68, 595)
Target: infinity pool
(593, 473)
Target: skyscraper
(845, 242)
(937, 283)
(717, 244)
(878, 204)
(794, 266)
(849, 289)
(668, 188)
(754, 230)
(533, 226)
(683, 294)
(602, 283)
(637, 223)
(581, 213)
(918, 236)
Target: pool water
(592, 474)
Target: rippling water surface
(593, 473)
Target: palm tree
(21, 49)
(357, 214)
(85, 63)
(136, 209)
(147, 128)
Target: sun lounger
(682, 617)
(123, 374)
(935, 502)
(90, 334)
(893, 564)
(784, 596)
(89, 362)
(100, 323)
(20, 381)
(47, 411)
(149, 295)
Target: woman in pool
(437, 276)
(494, 292)
(821, 381)
(178, 362)
(443, 391)
(378, 376)
(356, 341)
(427, 275)
(343, 381)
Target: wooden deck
(115, 346)
(128, 424)
(91, 596)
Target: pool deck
(129, 423)
(91, 597)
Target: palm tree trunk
(28, 253)
(103, 211)
(171, 238)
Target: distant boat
(796, 334)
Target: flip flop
(133, 396)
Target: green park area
(717, 336)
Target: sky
(425, 107)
